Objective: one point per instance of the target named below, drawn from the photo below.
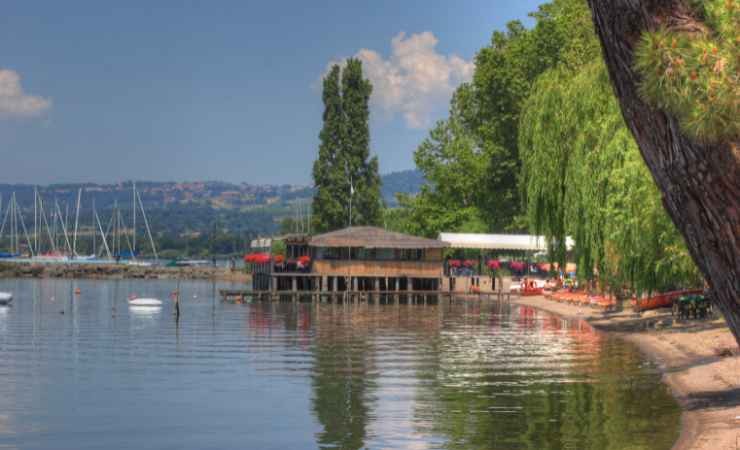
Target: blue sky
(186, 90)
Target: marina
(52, 236)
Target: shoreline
(120, 271)
(690, 357)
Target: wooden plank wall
(420, 269)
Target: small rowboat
(6, 298)
(530, 287)
(663, 300)
(145, 302)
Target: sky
(224, 90)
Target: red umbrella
(494, 264)
(516, 266)
(257, 258)
(469, 263)
(454, 263)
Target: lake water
(88, 372)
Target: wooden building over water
(354, 259)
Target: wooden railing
(425, 269)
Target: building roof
(295, 238)
(499, 241)
(373, 237)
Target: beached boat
(529, 287)
(602, 301)
(662, 300)
(6, 298)
(572, 297)
(149, 302)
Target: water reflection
(297, 375)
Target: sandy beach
(700, 362)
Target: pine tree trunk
(700, 182)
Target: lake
(89, 372)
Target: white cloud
(14, 102)
(415, 80)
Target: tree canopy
(583, 176)
(344, 172)
(471, 160)
(537, 141)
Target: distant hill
(405, 181)
(178, 208)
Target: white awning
(499, 241)
(263, 243)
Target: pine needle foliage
(692, 71)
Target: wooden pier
(390, 297)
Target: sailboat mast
(2, 227)
(15, 225)
(42, 213)
(148, 230)
(103, 235)
(133, 210)
(35, 221)
(25, 233)
(77, 222)
(12, 224)
(94, 233)
(116, 252)
(64, 228)
(5, 218)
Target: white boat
(5, 298)
(139, 263)
(86, 257)
(192, 263)
(145, 302)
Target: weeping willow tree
(583, 176)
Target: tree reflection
(342, 378)
(528, 380)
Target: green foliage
(278, 247)
(694, 75)
(455, 168)
(471, 161)
(344, 154)
(583, 176)
(328, 177)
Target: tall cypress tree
(327, 202)
(344, 154)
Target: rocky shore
(119, 271)
(700, 362)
